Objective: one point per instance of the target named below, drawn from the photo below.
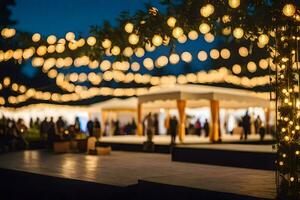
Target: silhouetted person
(44, 128)
(51, 132)
(77, 125)
(117, 127)
(37, 122)
(31, 123)
(173, 129)
(262, 132)
(90, 128)
(257, 124)
(97, 128)
(156, 124)
(60, 124)
(246, 126)
(133, 126)
(198, 127)
(206, 128)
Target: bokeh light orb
(106, 43)
(289, 10)
(234, 3)
(214, 54)
(36, 37)
(251, 66)
(186, 57)
(243, 51)
(171, 22)
(133, 38)
(225, 53)
(208, 37)
(204, 28)
(129, 27)
(139, 52)
(193, 35)
(236, 69)
(238, 33)
(174, 58)
(202, 56)
(148, 63)
(207, 10)
(177, 32)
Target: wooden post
(267, 115)
(182, 117)
(139, 118)
(215, 121)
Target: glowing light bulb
(133, 38)
(177, 32)
(238, 33)
(129, 27)
(171, 22)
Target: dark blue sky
(61, 16)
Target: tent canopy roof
(199, 95)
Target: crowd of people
(244, 127)
(12, 132)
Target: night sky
(59, 17)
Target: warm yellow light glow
(106, 43)
(133, 38)
(208, 37)
(234, 3)
(174, 58)
(214, 54)
(237, 69)
(238, 33)
(202, 55)
(263, 63)
(193, 35)
(148, 63)
(115, 50)
(243, 51)
(263, 39)
(251, 66)
(60, 48)
(6, 81)
(226, 19)
(149, 47)
(105, 65)
(162, 61)
(171, 22)
(186, 57)
(207, 10)
(91, 41)
(36, 37)
(182, 39)
(139, 52)
(51, 49)
(129, 27)
(177, 32)
(225, 53)
(51, 39)
(157, 40)
(42, 50)
(204, 28)
(226, 31)
(135, 66)
(128, 52)
(289, 10)
(70, 36)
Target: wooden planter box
(61, 147)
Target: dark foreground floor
(125, 175)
